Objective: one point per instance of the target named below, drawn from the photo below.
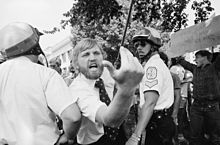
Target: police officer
(32, 96)
(156, 92)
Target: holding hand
(133, 140)
(129, 75)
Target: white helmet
(17, 38)
(149, 34)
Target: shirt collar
(89, 81)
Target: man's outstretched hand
(129, 75)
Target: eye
(85, 54)
(97, 53)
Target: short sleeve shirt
(26, 91)
(89, 103)
(157, 78)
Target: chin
(93, 76)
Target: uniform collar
(154, 56)
(22, 58)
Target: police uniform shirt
(89, 103)
(157, 77)
(26, 88)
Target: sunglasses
(140, 43)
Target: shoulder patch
(150, 84)
(151, 73)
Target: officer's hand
(131, 142)
(64, 141)
(175, 119)
(129, 75)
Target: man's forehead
(94, 48)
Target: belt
(164, 111)
(205, 102)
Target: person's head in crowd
(20, 39)
(87, 58)
(203, 57)
(146, 42)
(55, 64)
(164, 57)
(214, 56)
(173, 61)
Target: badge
(151, 73)
(150, 84)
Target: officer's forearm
(177, 99)
(145, 115)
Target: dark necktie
(112, 133)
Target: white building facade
(62, 50)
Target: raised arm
(61, 102)
(127, 78)
(217, 63)
(187, 65)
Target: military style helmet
(149, 34)
(18, 38)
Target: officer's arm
(176, 104)
(177, 96)
(146, 112)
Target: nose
(139, 48)
(91, 57)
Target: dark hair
(204, 53)
(164, 57)
(214, 56)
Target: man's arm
(187, 65)
(60, 101)
(71, 118)
(146, 112)
(151, 98)
(127, 79)
(177, 96)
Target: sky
(42, 14)
(46, 14)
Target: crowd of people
(175, 102)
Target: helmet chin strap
(45, 58)
(147, 56)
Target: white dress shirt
(89, 103)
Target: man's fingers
(124, 56)
(138, 64)
(109, 66)
(127, 58)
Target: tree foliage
(106, 19)
(202, 9)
